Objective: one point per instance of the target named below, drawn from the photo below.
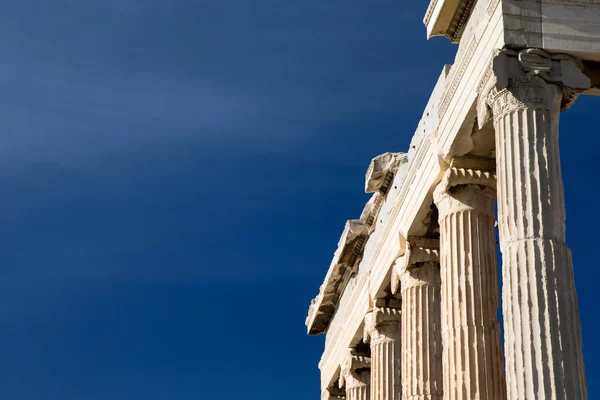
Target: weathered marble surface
(493, 103)
(473, 363)
(543, 344)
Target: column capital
(418, 252)
(378, 318)
(468, 171)
(510, 69)
(351, 368)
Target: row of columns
(443, 342)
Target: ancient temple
(409, 303)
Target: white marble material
(473, 364)
(355, 376)
(457, 121)
(421, 333)
(543, 345)
(382, 330)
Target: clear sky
(175, 176)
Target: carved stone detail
(524, 74)
(418, 250)
(381, 171)
(355, 376)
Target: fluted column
(382, 330)
(356, 376)
(418, 273)
(543, 345)
(473, 364)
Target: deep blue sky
(176, 173)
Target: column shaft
(384, 332)
(473, 364)
(357, 386)
(543, 342)
(421, 333)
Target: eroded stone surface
(381, 171)
(473, 364)
(516, 96)
(543, 345)
(421, 323)
(355, 376)
(382, 331)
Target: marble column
(543, 345)
(472, 356)
(382, 331)
(418, 274)
(355, 376)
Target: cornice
(380, 174)
(349, 251)
(447, 18)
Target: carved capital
(419, 251)
(381, 171)
(378, 320)
(427, 275)
(521, 78)
(467, 171)
(352, 366)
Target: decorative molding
(429, 12)
(352, 365)
(468, 171)
(457, 72)
(520, 78)
(459, 19)
(525, 92)
(418, 251)
(378, 318)
(381, 171)
(492, 5)
(371, 211)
